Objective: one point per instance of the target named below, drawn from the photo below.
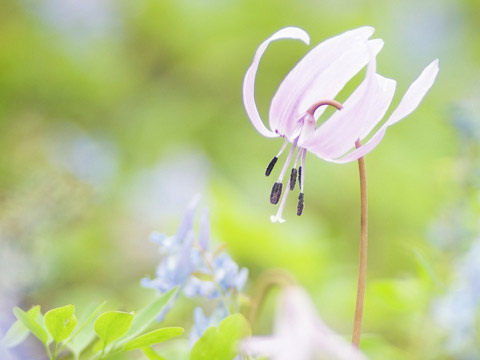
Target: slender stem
(362, 268)
(55, 349)
(265, 282)
(47, 350)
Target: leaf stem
(362, 268)
(49, 353)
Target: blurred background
(113, 114)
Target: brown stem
(362, 269)
(265, 282)
(315, 106)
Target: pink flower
(314, 82)
(300, 334)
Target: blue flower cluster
(189, 263)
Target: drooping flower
(300, 333)
(314, 82)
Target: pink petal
(321, 74)
(249, 80)
(409, 102)
(362, 111)
(364, 108)
(362, 151)
(415, 93)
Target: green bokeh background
(113, 114)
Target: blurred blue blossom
(457, 312)
(203, 322)
(91, 158)
(189, 263)
(176, 265)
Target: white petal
(415, 93)
(249, 80)
(408, 104)
(321, 74)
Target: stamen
(270, 166)
(293, 178)
(293, 174)
(300, 204)
(276, 192)
(300, 177)
(278, 216)
(272, 163)
(278, 187)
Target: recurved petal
(321, 74)
(249, 80)
(361, 112)
(415, 93)
(366, 106)
(408, 104)
(363, 150)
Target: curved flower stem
(362, 269)
(266, 281)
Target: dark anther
(293, 179)
(270, 166)
(300, 177)
(276, 192)
(300, 204)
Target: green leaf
(112, 325)
(84, 333)
(152, 354)
(153, 337)
(149, 314)
(221, 343)
(31, 322)
(19, 332)
(61, 322)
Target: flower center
(306, 129)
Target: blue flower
(177, 265)
(202, 322)
(188, 262)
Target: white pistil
(287, 161)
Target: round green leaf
(112, 325)
(61, 322)
(221, 343)
(31, 323)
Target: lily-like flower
(313, 84)
(300, 333)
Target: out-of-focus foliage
(116, 332)
(114, 113)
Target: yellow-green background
(145, 97)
